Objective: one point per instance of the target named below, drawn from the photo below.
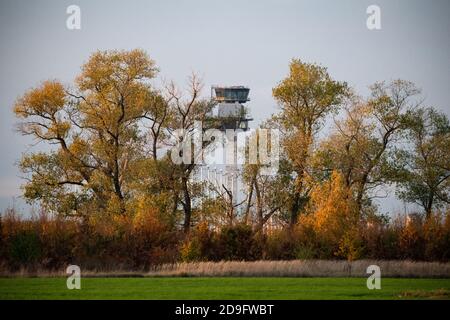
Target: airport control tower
(229, 112)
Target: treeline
(141, 242)
(111, 134)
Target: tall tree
(306, 96)
(95, 128)
(361, 146)
(187, 109)
(426, 166)
(267, 186)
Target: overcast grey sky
(226, 42)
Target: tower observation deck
(231, 112)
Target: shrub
(25, 248)
(144, 240)
(305, 252)
(432, 236)
(277, 246)
(200, 245)
(411, 240)
(350, 245)
(237, 243)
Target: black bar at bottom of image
(217, 309)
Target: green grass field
(223, 288)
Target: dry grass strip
(264, 268)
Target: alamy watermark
(373, 21)
(73, 21)
(374, 280)
(228, 147)
(74, 280)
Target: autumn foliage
(333, 218)
(109, 195)
(44, 243)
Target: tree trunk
(259, 208)
(294, 209)
(187, 207)
(429, 205)
(249, 202)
